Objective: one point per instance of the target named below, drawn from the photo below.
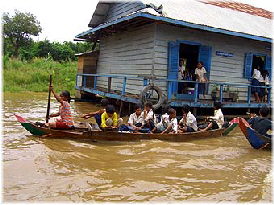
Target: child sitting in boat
(65, 122)
(97, 114)
(216, 121)
(149, 117)
(136, 119)
(169, 123)
(109, 119)
(188, 123)
(261, 124)
(162, 125)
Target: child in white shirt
(169, 123)
(218, 118)
(200, 72)
(136, 119)
(188, 123)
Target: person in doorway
(181, 73)
(261, 124)
(256, 77)
(188, 123)
(200, 73)
(264, 81)
(109, 119)
(65, 121)
(182, 67)
(217, 121)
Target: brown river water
(46, 170)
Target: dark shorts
(214, 125)
(150, 124)
(98, 119)
(255, 82)
(201, 88)
(263, 91)
(190, 129)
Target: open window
(255, 61)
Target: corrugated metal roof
(197, 12)
(200, 13)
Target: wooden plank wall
(127, 53)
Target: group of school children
(144, 121)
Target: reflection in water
(222, 169)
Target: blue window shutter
(205, 57)
(173, 65)
(268, 65)
(248, 65)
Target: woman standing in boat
(65, 121)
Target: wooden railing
(81, 81)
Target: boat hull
(117, 136)
(256, 140)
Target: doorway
(188, 59)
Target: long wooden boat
(256, 140)
(232, 125)
(85, 133)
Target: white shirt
(181, 72)
(164, 120)
(174, 123)
(190, 121)
(257, 75)
(150, 115)
(201, 73)
(134, 119)
(264, 80)
(218, 117)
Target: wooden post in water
(48, 107)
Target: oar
(47, 115)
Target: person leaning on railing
(256, 77)
(264, 81)
(200, 73)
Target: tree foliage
(17, 32)
(18, 29)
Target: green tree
(17, 31)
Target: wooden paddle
(48, 107)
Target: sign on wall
(224, 54)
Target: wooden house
(143, 38)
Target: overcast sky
(62, 20)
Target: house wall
(127, 53)
(223, 69)
(134, 52)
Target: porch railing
(82, 81)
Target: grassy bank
(34, 75)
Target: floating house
(143, 42)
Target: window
(253, 61)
